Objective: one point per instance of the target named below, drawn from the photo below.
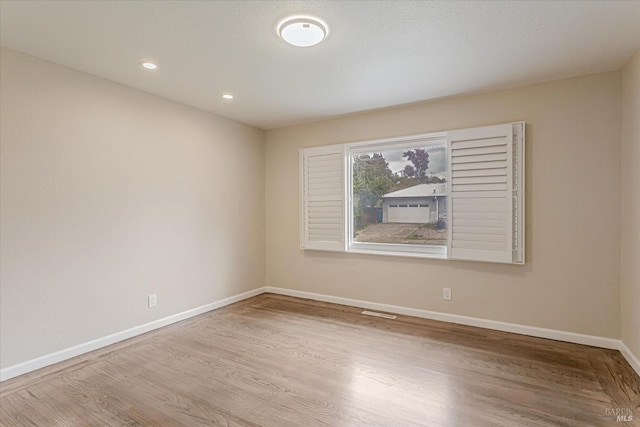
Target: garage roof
(420, 190)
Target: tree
(420, 159)
(403, 182)
(371, 179)
(435, 180)
(409, 171)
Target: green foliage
(435, 180)
(403, 182)
(371, 179)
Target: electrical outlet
(446, 294)
(153, 300)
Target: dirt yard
(418, 234)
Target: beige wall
(571, 279)
(109, 194)
(630, 226)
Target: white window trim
(394, 249)
(410, 141)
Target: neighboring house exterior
(422, 203)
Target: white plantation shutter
(486, 194)
(323, 198)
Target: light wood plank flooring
(279, 361)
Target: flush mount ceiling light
(302, 31)
(227, 96)
(149, 65)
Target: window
(456, 195)
(391, 184)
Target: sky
(437, 160)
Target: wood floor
(279, 361)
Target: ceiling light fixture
(302, 31)
(227, 96)
(149, 65)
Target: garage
(409, 213)
(419, 204)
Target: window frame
(378, 145)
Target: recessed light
(149, 65)
(302, 31)
(227, 96)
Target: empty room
(319, 213)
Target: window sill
(397, 254)
(399, 251)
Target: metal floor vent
(375, 314)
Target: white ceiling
(377, 54)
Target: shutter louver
(323, 195)
(486, 194)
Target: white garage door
(408, 213)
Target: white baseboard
(631, 358)
(68, 353)
(62, 355)
(463, 320)
(572, 337)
